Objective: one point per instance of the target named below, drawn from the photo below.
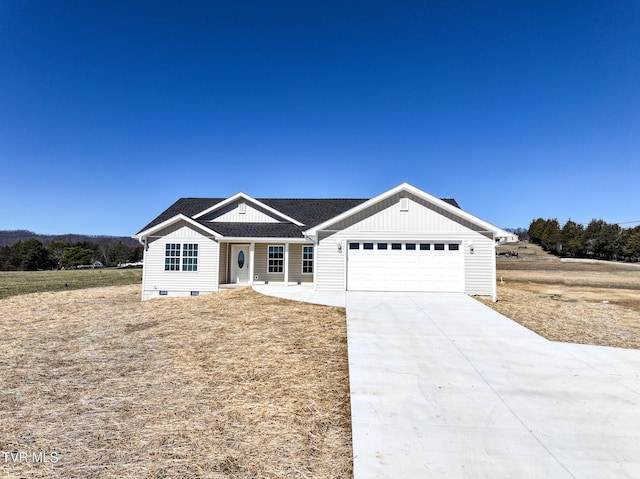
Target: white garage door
(405, 266)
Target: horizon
(112, 111)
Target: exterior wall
(421, 222)
(295, 265)
(480, 266)
(261, 263)
(330, 263)
(179, 283)
(231, 214)
(223, 267)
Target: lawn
(589, 303)
(229, 385)
(22, 282)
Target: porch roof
(255, 230)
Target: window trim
(172, 256)
(311, 261)
(270, 259)
(181, 257)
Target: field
(23, 282)
(578, 302)
(96, 384)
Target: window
(307, 259)
(410, 247)
(172, 257)
(454, 246)
(438, 246)
(396, 245)
(276, 259)
(382, 245)
(354, 245)
(190, 257)
(367, 245)
(425, 246)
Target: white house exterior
(401, 240)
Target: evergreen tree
(536, 228)
(33, 255)
(76, 256)
(632, 244)
(572, 237)
(551, 236)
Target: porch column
(252, 249)
(286, 264)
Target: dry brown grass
(587, 303)
(230, 385)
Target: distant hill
(11, 237)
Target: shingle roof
(255, 230)
(310, 212)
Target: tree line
(32, 254)
(598, 240)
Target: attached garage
(436, 266)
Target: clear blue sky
(112, 110)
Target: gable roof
(242, 196)
(298, 214)
(406, 188)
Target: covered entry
(436, 266)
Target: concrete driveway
(442, 386)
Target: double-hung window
(276, 259)
(172, 257)
(190, 257)
(174, 252)
(307, 259)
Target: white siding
(330, 265)
(479, 266)
(421, 222)
(180, 283)
(231, 214)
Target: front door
(239, 264)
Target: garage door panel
(417, 267)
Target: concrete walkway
(444, 387)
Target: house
(401, 240)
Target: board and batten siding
(421, 222)
(240, 212)
(180, 283)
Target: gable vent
(404, 204)
(242, 208)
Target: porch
(245, 263)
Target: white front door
(240, 264)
